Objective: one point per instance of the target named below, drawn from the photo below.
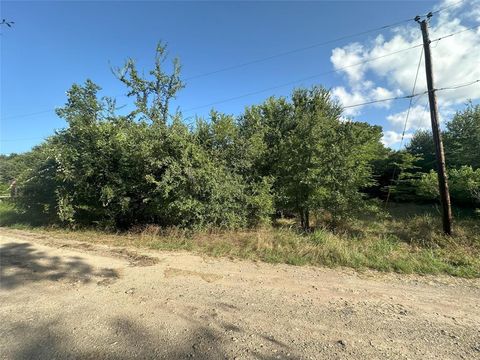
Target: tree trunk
(307, 220)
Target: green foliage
(295, 156)
(14, 165)
(427, 186)
(119, 171)
(464, 185)
(408, 240)
(318, 162)
(422, 147)
(403, 188)
(152, 96)
(37, 185)
(462, 138)
(417, 180)
(461, 141)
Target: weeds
(408, 241)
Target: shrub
(464, 186)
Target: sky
(55, 44)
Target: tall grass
(407, 240)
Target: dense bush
(318, 163)
(464, 185)
(461, 140)
(292, 156)
(149, 167)
(417, 179)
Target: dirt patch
(136, 259)
(172, 272)
(106, 281)
(99, 302)
(133, 257)
(23, 263)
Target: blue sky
(54, 44)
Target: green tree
(464, 185)
(295, 155)
(152, 96)
(406, 175)
(462, 138)
(317, 161)
(422, 147)
(37, 183)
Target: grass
(407, 240)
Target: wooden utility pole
(437, 137)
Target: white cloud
(419, 118)
(345, 58)
(380, 93)
(391, 138)
(475, 14)
(348, 98)
(363, 92)
(455, 59)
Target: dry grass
(407, 240)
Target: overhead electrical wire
(406, 122)
(411, 99)
(386, 99)
(453, 87)
(414, 95)
(456, 33)
(262, 90)
(323, 73)
(25, 139)
(303, 79)
(447, 7)
(284, 84)
(345, 37)
(295, 81)
(297, 50)
(27, 115)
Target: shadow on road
(21, 263)
(127, 339)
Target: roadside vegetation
(289, 180)
(406, 240)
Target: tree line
(294, 156)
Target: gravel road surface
(63, 299)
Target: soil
(63, 299)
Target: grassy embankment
(407, 240)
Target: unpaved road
(61, 299)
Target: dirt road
(61, 299)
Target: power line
(455, 33)
(458, 86)
(345, 37)
(24, 139)
(321, 74)
(453, 87)
(27, 115)
(284, 84)
(386, 99)
(406, 122)
(303, 79)
(262, 90)
(447, 7)
(411, 99)
(414, 95)
(298, 50)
